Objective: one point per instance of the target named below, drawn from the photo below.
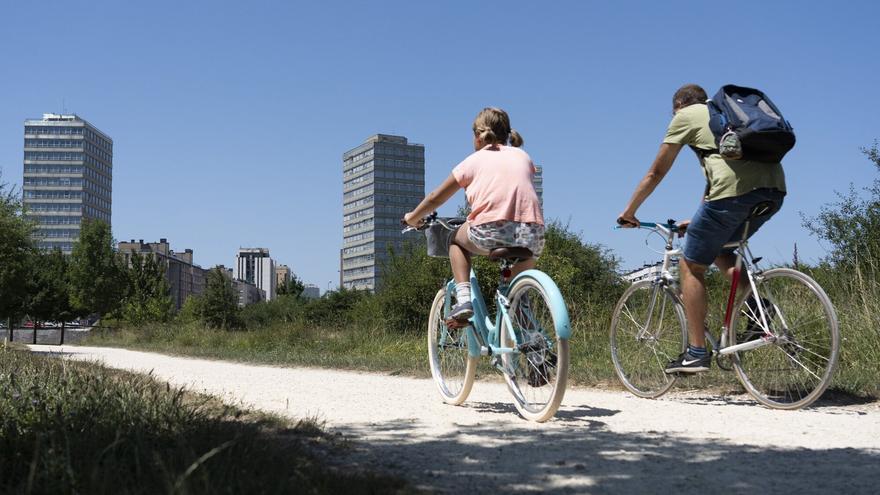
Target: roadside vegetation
(76, 427)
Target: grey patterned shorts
(505, 233)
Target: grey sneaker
(462, 311)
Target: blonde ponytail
(492, 126)
(515, 139)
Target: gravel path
(601, 441)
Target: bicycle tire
(452, 366)
(793, 371)
(536, 376)
(640, 363)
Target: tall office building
(382, 179)
(254, 266)
(68, 174)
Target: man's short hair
(687, 95)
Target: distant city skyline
(228, 127)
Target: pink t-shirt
(498, 186)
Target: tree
(293, 288)
(16, 249)
(852, 225)
(97, 277)
(191, 310)
(148, 295)
(410, 279)
(219, 304)
(49, 291)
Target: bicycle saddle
(510, 253)
(761, 209)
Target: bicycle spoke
(640, 352)
(451, 365)
(797, 367)
(534, 381)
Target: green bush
(284, 308)
(219, 305)
(410, 279)
(334, 309)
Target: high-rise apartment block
(382, 179)
(68, 174)
(254, 266)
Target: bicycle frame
(741, 247)
(484, 335)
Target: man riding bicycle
(733, 188)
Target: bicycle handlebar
(427, 222)
(668, 227)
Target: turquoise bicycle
(527, 340)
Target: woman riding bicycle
(505, 210)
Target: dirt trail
(601, 441)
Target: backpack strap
(701, 156)
(701, 153)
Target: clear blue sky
(229, 119)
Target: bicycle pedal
(454, 324)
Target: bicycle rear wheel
(648, 329)
(793, 371)
(538, 373)
(451, 366)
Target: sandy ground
(600, 442)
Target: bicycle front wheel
(536, 375)
(797, 367)
(648, 329)
(451, 366)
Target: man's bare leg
(693, 293)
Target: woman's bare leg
(460, 254)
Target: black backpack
(748, 126)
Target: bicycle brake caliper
(504, 301)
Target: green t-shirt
(725, 178)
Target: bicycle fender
(557, 303)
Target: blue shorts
(719, 222)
